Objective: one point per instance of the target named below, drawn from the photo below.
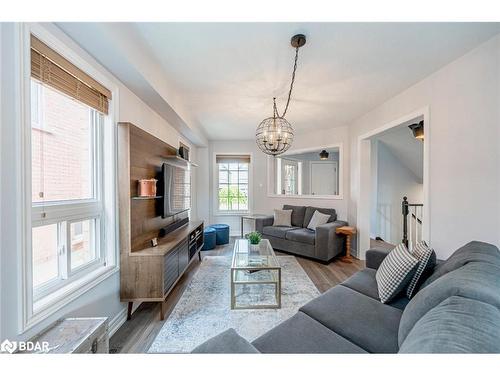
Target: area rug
(204, 309)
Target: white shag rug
(204, 309)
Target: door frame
(364, 178)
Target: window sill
(232, 213)
(45, 307)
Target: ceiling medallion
(274, 135)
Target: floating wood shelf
(179, 161)
(144, 198)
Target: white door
(324, 178)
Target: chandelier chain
(291, 83)
(274, 135)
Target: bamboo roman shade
(50, 68)
(232, 158)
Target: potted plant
(254, 237)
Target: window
(71, 244)
(290, 177)
(66, 195)
(233, 182)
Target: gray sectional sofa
(323, 244)
(456, 310)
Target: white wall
(394, 181)
(102, 300)
(463, 129)
(261, 202)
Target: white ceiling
(221, 77)
(406, 148)
(228, 73)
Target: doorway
(381, 213)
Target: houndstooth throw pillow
(424, 254)
(395, 273)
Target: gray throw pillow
(318, 219)
(395, 273)
(282, 218)
(427, 262)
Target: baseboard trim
(117, 321)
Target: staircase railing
(412, 222)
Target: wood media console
(149, 273)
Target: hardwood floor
(137, 334)
(378, 244)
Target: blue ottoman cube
(209, 240)
(221, 233)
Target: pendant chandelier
(274, 135)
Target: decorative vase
(146, 187)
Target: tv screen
(176, 185)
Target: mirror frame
(271, 180)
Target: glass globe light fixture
(274, 135)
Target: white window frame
(40, 124)
(219, 212)
(65, 212)
(36, 308)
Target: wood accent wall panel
(144, 270)
(146, 157)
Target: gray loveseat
(456, 310)
(323, 244)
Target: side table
(250, 217)
(348, 232)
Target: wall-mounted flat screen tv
(176, 189)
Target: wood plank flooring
(378, 244)
(137, 334)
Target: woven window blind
(50, 68)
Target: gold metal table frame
(259, 260)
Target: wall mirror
(307, 173)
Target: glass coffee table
(254, 269)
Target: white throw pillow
(395, 272)
(282, 218)
(317, 219)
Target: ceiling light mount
(298, 40)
